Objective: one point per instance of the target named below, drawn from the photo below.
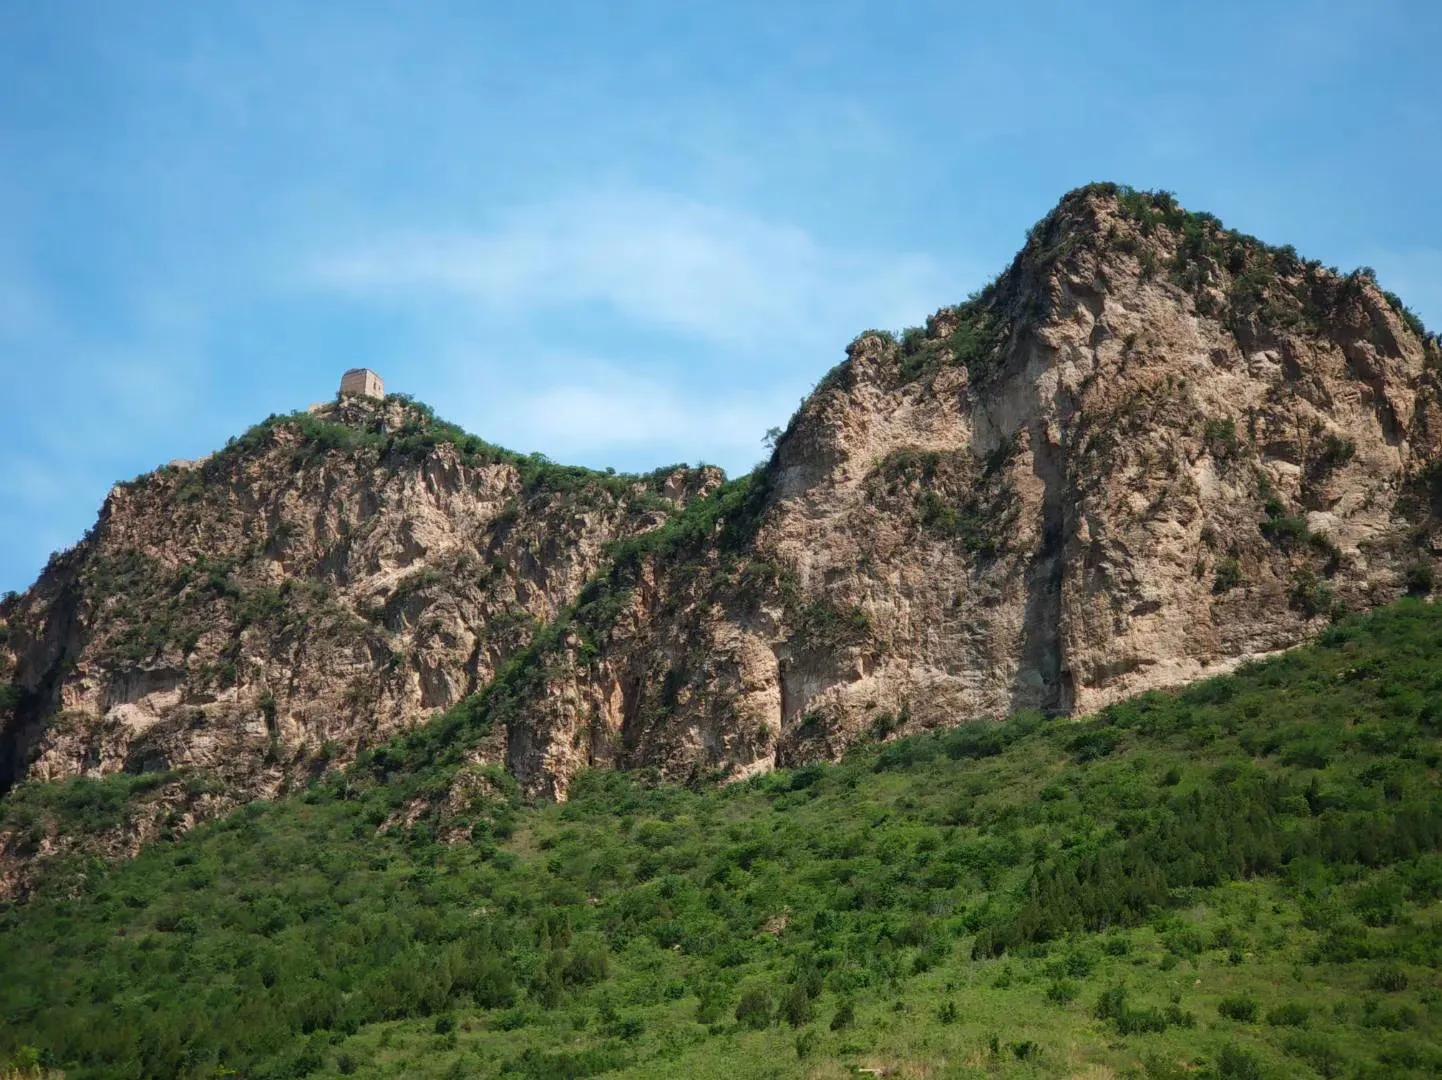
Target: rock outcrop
(1151, 449)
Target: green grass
(1240, 879)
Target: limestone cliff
(1150, 449)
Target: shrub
(1221, 439)
(1318, 1052)
(1310, 596)
(1113, 1006)
(1389, 979)
(1228, 575)
(1241, 1009)
(1061, 992)
(1285, 531)
(587, 964)
(1094, 744)
(795, 1006)
(845, 1016)
(1335, 451)
(1290, 1014)
(710, 1004)
(1237, 1064)
(1420, 579)
(806, 1043)
(754, 1009)
(1120, 944)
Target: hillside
(1236, 880)
(1153, 448)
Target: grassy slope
(1254, 861)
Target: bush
(1061, 992)
(1237, 1064)
(1242, 1009)
(1390, 979)
(754, 1009)
(795, 1006)
(845, 1016)
(1310, 596)
(1113, 1006)
(1094, 744)
(806, 1043)
(1228, 575)
(1291, 1014)
(586, 965)
(1420, 579)
(1335, 452)
(1221, 439)
(1318, 1052)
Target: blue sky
(621, 234)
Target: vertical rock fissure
(1039, 674)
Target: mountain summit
(1151, 449)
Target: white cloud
(611, 413)
(711, 272)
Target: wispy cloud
(708, 271)
(605, 414)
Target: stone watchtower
(362, 382)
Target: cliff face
(1151, 449)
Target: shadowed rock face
(1151, 449)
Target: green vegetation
(970, 335)
(953, 497)
(150, 607)
(1291, 534)
(1221, 439)
(79, 804)
(366, 430)
(1239, 879)
(1228, 575)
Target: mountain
(1151, 449)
